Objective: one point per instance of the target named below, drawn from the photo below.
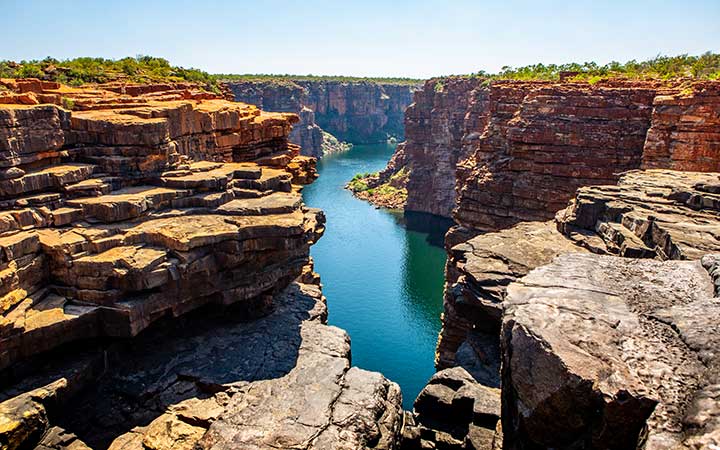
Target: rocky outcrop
(500, 152)
(477, 274)
(658, 214)
(359, 112)
(95, 205)
(648, 214)
(609, 352)
(123, 212)
(454, 411)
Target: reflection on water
(382, 272)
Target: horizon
(421, 39)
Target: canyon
(332, 112)
(158, 290)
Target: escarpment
(358, 112)
(501, 152)
(156, 279)
(574, 287)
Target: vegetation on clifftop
(293, 78)
(79, 71)
(705, 66)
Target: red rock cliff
(506, 151)
(359, 112)
(130, 206)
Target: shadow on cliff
(186, 357)
(434, 227)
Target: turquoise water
(382, 272)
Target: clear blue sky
(371, 37)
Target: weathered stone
(478, 273)
(653, 213)
(590, 357)
(24, 419)
(278, 381)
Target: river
(382, 272)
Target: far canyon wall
(507, 151)
(358, 112)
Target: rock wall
(684, 132)
(284, 97)
(503, 159)
(502, 152)
(359, 112)
(529, 297)
(123, 210)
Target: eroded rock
(598, 352)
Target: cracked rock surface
(610, 352)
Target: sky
(419, 39)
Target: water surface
(382, 272)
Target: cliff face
(355, 112)
(503, 158)
(509, 151)
(359, 112)
(125, 210)
(284, 97)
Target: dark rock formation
(477, 274)
(359, 112)
(454, 411)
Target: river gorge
(177, 275)
(382, 272)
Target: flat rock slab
(275, 203)
(596, 348)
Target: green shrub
(79, 71)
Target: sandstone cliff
(125, 209)
(502, 152)
(359, 112)
(504, 158)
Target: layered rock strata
(124, 209)
(502, 158)
(501, 152)
(359, 112)
(649, 214)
